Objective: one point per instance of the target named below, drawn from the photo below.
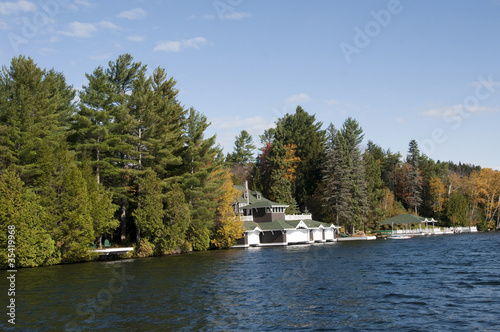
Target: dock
(357, 238)
(114, 251)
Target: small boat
(400, 237)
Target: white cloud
(297, 99)
(459, 109)
(136, 38)
(176, 46)
(78, 29)
(133, 14)
(103, 56)
(4, 25)
(7, 8)
(256, 124)
(168, 46)
(74, 5)
(109, 25)
(47, 51)
(236, 16)
(332, 102)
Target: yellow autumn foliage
(228, 225)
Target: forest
(123, 160)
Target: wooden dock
(357, 238)
(114, 251)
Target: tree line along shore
(124, 160)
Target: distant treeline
(325, 172)
(123, 160)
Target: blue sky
(424, 70)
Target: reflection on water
(429, 283)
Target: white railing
(436, 230)
(247, 218)
(298, 217)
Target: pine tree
(412, 178)
(302, 130)
(200, 179)
(34, 107)
(102, 209)
(166, 130)
(373, 159)
(344, 182)
(176, 221)
(149, 212)
(243, 149)
(280, 187)
(91, 125)
(74, 231)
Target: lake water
(436, 283)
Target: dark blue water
(433, 283)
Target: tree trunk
(97, 170)
(138, 238)
(123, 222)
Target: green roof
(403, 219)
(275, 225)
(286, 224)
(253, 199)
(250, 225)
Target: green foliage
(344, 189)
(149, 213)
(145, 249)
(128, 160)
(305, 132)
(20, 208)
(74, 229)
(458, 206)
(200, 179)
(102, 210)
(34, 108)
(176, 221)
(243, 149)
(279, 187)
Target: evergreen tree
(149, 212)
(176, 221)
(302, 130)
(412, 178)
(123, 75)
(457, 210)
(391, 169)
(344, 176)
(91, 125)
(373, 159)
(280, 187)
(21, 211)
(74, 231)
(199, 179)
(34, 107)
(243, 149)
(102, 209)
(167, 128)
